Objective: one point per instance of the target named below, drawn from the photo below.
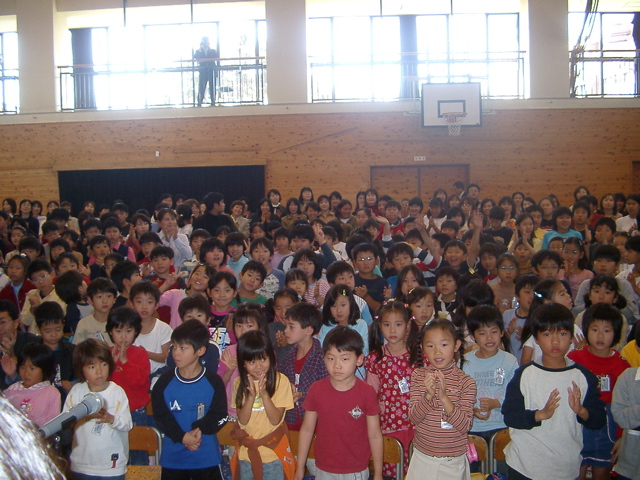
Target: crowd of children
(345, 321)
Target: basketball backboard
(441, 98)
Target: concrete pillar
(287, 80)
(37, 33)
(545, 38)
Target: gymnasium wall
(537, 151)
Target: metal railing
(105, 87)
(500, 73)
(604, 73)
(9, 91)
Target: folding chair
(496, 448)
(393, 452)
(149, 440)
(482, 448)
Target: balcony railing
(9, 90)
(604, 73)
(106, 87)
(382, 78)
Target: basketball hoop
(452, 119)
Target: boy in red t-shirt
(132, 368)
(344, 413)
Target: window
(9, 87)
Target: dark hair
(364, 247)
(490, 248)
(397, 249)
(150, 237)
(293, 201)
(22, 258)
(583, 262)
(332, 296)
(528, 280)
(308, 254)
(101, 285)
(211, 199)
(87, 352)
(223, 275)
(449, 272)
(455, 243)
(302, 190)
(542, 292)
(199, 233)
(123, 317)
(610, 283)
(608, 252)
(558, 212)
(191, 332)
(161, 251)
(487, 316)
(42, 357)
(551, 316)
(209, 245)
(11, 308)
(304, 232)
(194, 302)
(509, 200)
(605, 313)
(633, 243)
(123, 271)
(281, 232)
(306, 315)
(110, 222)
(343, 339)
(255, 345)
(583, 205)
(250, 311)
(68, 285)
(507, 257)
(69, 234)
(184, 214)
(417, 273)
(446, 326)
(98, 239)
(474, 293)
(376, 339)
(296, 274)
(145, 287)
(255, 266)
(39, 265)
(261, 242)
(542, 255)
(48, 312)
(49, 226)
(59, 213)
(235, 238)
(91, 223)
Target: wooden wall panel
(441, 176)
(397, 182)
(536, 151)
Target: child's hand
(317, 230)
(442, 387)
(579, 341)
(34, 299)
(488, 404)
(261, 385)
(575, 401)
(66, 384)
(476, 220)
(296, 394)
(145, 270)
(9, 364)
(281, 340)
(615, 451)
(512, 326)
(388, 292)
(103, 416)
(132, 232)
(552, 403)
(84, 270)
(171, 279)
(229, 359)
(480, 415)
(361, 291)
(430, 385)
(192, 439)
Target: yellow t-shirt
(631, 354)
(259, 424)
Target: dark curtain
(142, 187)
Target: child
(235, 243)
(491, 368)
(631, 351)
(41, 275)
(111, 230)
(196, 239)
(247, 317)
(340, 310)
(172, 238)
(560, 227)
(34, 395)
(547, 404)
(421, 301)
(71, 288)
(30, 246)
(282, 240)
(296, 280)
(441, 406)
(223, 292)
(155, 336)
(131, 370)
(344, 414)
(515, 318)
(575, 265)
(261, 250)
(102, 297)
(400, 255)
(261, 397)
(504, 290)
(393, 341)
(189, 407)
(369, 286)
(500, 233)
(603, 325)
(523, 251)
(632, 275)
(50, 322)
(626, 399)
(125, 275)
(164, 274)
(311, 264)
(214, 253)
(140, 224)
(197, 284)
(251, 278)
(446, 284)
(16, 290)
(489, 253)
(148, 241)
(99, 249)
(282, 301)
(303, 363)
(409, 278)
(100, 440)
(342, 272)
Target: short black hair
(255, 266)
(448, 271)
(145, 286)
(606, 313)
(484, 316)
(235, 238)
(10, 308)
(29, 242)
(161, 251)
(338, 268)
(123, 317)
(101, 285)
(123, 271)
(150, 237)
(110, 223)
(527, 280)
(304, 232)
(42, 357)
(309, 255)
(191, 332)
(68, 285)
(364, 247)
(551, 316)
(59, 213)
(98, 239)
(194, 302)
(39, 265)
(497, 213)
(452, 224)
(490, 248)
(633, 244)
(48, 312)
(49, 226)
(397, 249)
(343, 339)
(306, 315)
(211, 199)
(608, 252)
(542, 255)
(281, 232)
(211, 244)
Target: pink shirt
(40, 403)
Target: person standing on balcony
(207, 61)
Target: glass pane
(468, 36)
(503, 33)
(386, 82)
(617, 31)
(319, 45)
(503, 80)
(386, 39)
(10, 50)
(353, 82)
(352, 37)
(262, 38)
(432, 35)
(237, 39)
(619, 78)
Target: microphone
(91, 403)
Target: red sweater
(7, 293)
(133, 376)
